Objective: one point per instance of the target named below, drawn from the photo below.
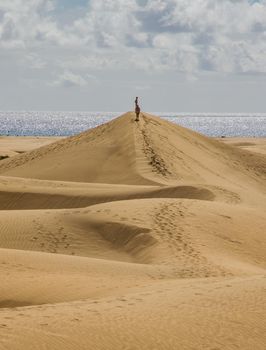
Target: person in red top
(137, 109)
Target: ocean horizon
(67, 123)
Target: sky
(97, 55)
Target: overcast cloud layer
(190, 55)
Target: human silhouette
(137, 109)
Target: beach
(133, 235)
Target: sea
(60, 123)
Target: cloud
(23, 22)
(183, 35)
(188, 36)
(35, 61)
(69, 79)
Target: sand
(133, 236)
(13, 145)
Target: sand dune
(121, 151)
(134, 236)
(14, 145)
(256, 145)
(17, 193)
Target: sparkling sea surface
(45, 123)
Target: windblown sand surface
(257, 145)
(134, 236)
(13, 145)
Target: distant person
(137, 109)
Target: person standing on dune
(137, 109)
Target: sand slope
(133, 236)
(124, 152)
(105, 154)
(252, 144)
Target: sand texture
(133, 236)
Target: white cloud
(35, 61)
(226, 36)
(126, 38)
(69, 79)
